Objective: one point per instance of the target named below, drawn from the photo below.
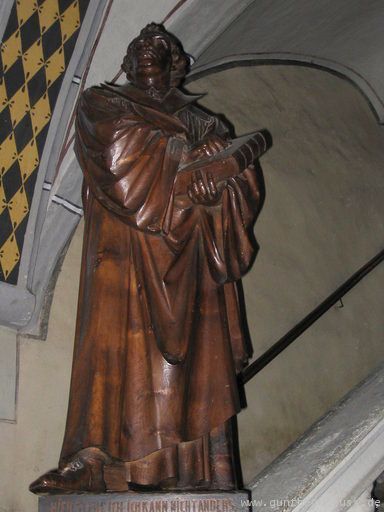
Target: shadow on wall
(323, 218)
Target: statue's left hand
(202, 191)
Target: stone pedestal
(148, 502)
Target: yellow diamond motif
(48, 14)
(70, 21)
(55, 66)
(3, 96)
(25, 9)
(11, 50)
(28, 160)
(18, 207)
(41, 114)
(8, 153)
(9, 255)
(33, 59)
(3, 202)
(19, 105)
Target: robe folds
(159, 337)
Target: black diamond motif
(23, 132)
(12, 24)
(54, 90)
(12, 278)
(14, 78)
(5, 226)
(83, 6)
(30, 31)
(29, 187)
(51, 40)
(20, 231)
(12, 180)
(37, 86)
(69, 46)
(5, 125)
(64, 4)
(40, 139)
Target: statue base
(219, 501)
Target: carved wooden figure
(169, 204)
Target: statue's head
(155, 59)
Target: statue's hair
(179, 58)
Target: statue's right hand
(208, 147)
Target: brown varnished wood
(160, 336)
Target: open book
(241, 153)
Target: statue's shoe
(82, 473)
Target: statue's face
(151, 63)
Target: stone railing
(334, 466)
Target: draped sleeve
(225, 230)
(128, 161)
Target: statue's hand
(207, 147)
(203, 192)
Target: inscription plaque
(134, 502)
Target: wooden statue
(169, 205)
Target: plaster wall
(8, 375)
(345, 36)
(322, 219)
(32, 444)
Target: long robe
(159, 338)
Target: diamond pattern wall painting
(36, 48)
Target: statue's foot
(82, 473)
